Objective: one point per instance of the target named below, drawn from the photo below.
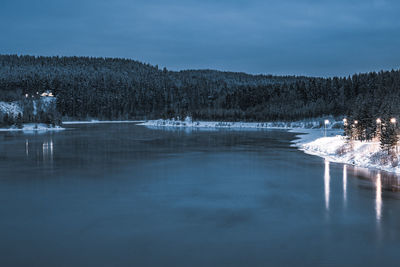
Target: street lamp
(378, 121)
(345, 121)
(355, 122)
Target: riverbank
(361, 154)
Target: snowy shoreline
(98, 122)
(358, 153)
(32, 127)
(188, 123)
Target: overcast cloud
(303, 37)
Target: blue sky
(303, 37)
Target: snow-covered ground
(32, 127)
(188, 122)
(97, 122)
(361, 154)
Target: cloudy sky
(302, 37)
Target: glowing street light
(326, 122)
(355, 122)
(378, 121)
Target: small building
(47, 93)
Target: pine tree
(389, 137)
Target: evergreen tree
(389, 136)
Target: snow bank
(97, 121)
(309, 135)
(361, 154)
(214, 124)
(32, 127)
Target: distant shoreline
(32, 127)
(189, 123)
(100, 122)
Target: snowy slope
(11, 108)
(14, 108)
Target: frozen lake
(126, 195)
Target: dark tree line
(108, 88)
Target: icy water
(125, 195)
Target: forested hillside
(107, 88)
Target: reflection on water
(239, 198)
(327, 179)
(378, 198)
(47, 148)
(27, 147)
(389, 181)
(345, 184)
(381, 181)
(40, 150)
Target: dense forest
(108, 88)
